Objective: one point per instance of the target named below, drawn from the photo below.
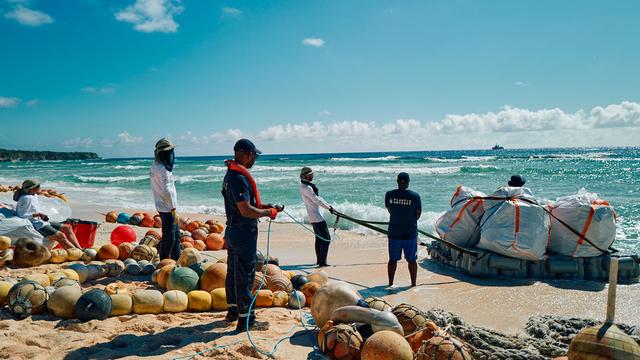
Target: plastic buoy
(122, 234)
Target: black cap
(403, 176)
(516, 181)
(245, 145)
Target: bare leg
(68, 232)
(413, 271)
(60, 238)
(391, 270)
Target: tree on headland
(21, 155)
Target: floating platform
(482, 263)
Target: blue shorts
(409, 247)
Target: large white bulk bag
(593, 218)
(460, 225)
(517, 227)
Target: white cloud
(104, 89)
(324, 113)
(231, 11)
(316, 42)
(616, 115)
(78, 142)
(218, 137)
(9, 102)
(126, 138)
(33, 102)
(521, 83)
(30, 17)
(507, 120)
(152, 15)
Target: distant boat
(497, 147)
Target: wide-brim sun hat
(29, 184)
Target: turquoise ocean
(355, 183)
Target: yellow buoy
(63, 301)
(264, 298)
(74, 254)
(56, 276)
(280, 298)
(121, 304)
(218, 299)
(42, 279)
(148, 302)
(58, 256)
(5, 243)
(199, 300)
(117, 287)
(5, 286)
(71, 274)
(175, 301)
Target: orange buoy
(125, 249)
(154, 233)
(187, 245)
(147, 221)
(214, 241)
(111, 217)
(192, 226)
(157, 221)
(200, 245)
(188, 239)
(198, 234)
(108, 252)
(213, 277)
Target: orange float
(147, 221)
(213, 277)
(111, 217)
(192, 226)
(125, 249)
(186, 245)
(215, 241)
(163, 275)
(188, 239)
(165, 262)
(154, 234)
(157, 221)
(108, 251)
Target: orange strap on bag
(587, 224)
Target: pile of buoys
(371, 328)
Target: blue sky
(317, 76)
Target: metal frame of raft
(483, 263)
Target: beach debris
(121, 304)
(386, 345)
(341, 341)
(199, 300)
(298, 281)
(264, 298)
(27, 297)
(74, 254)
(330, 297)
(297, 300)
(319, 277)
(95, 304)
(605, 341)
(63, 300)
(218, 299)
(410, 317)
(108, 251)
(416, 339)
(309, 290)
(378, 303)
(280, 298)
(122, 234)
(5, 243)
(28, 252)
(279, 282)
(184, 279)
(442, 346)
(147, 302)
(378, 320)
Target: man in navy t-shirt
(404, 208)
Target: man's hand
(273, 212)
(280, 208)
(332, 210)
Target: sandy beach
(502, 304)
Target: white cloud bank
(315, 42)
(231, 11)
(152, 15)
(507, 120)
(29, 17)
(8, 102)
(104, 90)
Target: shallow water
(355, 183)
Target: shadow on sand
(151, 344)
(436, 268)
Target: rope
(305, 227)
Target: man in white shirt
(166, 199)
(313, 202)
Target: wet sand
(500, 304)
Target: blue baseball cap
(403, 176)
(245, 145)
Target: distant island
(21, 155)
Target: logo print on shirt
(405, 202)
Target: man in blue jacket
(404, 208)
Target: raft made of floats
(482, 263)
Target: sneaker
(256, 326)
(231, 318)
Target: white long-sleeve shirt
(313, 203)
(26, 207)
(163, 188)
